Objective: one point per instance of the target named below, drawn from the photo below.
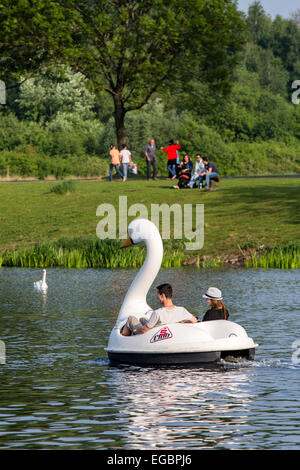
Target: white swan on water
(41, 285)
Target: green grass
(242, 215)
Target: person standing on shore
(150, 153)
(171, 150)
(115, 161)
(126, 160)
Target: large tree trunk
(119, 115)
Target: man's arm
(151, 323)
(191, 320)
(146, 153)
(209, 169)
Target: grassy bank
(247, 221)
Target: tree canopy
(130, 49)
(60, 122)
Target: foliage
(282, 257)
(30, 164)
(64, 187)
(131, 49)
(281, 37)
(57, 124)
(43, 97)
(87, 253)
(28, 37)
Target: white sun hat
(213, 293)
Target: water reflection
(174, 407)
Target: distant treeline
(58, 127)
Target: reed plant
(94, 253)
(281, 257)
(88, 253)
(211, 263)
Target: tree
(128, 48)
(270, 69)
(281, 37)
(286, 44)
(28, 37)
(41, 98)
(296, 16)
(259, 24)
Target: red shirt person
(171, 150)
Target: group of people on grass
(170, 313)
(123, 158)
(188, 176)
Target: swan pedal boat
(173, 343)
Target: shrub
(64, 187)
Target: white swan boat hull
(182, 343)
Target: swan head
(139, 230)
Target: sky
(283, 8)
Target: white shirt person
(169, 313)
(125, 159)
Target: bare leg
(131, 326)
(125, 331)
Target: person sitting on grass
(199, 168)
(169, 313)
(184, 172)
(210, 172)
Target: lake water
(58, 391)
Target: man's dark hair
(165, 289)
(205, 159)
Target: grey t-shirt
(163, 315)
(150, 150)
